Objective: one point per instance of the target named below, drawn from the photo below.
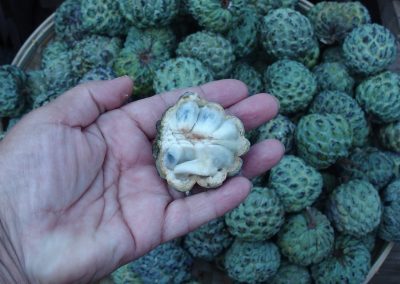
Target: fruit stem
(225, 3)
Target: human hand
(79, 191)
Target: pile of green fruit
(314, 217)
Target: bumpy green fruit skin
(36, 84)
(285, 33)
(337, 102)
(125, 275)
(167, 263)
(322, 139)
(265, 6)
(297, 184)
(68, 22)
(280, 128)
(332, 54)
(163, 36)
(243, 35)
(291, 83)
(98, 74)
(248, 75)
(289, 273)
(306, 238)
(355, 208)
(258, 218)
(52, 52)
(333, 76)
(395, 157)
(369, 49)
(379, 96)
(103, 17)
(389, 228)
(208, 241)
(12, 80)
(349, 263)
(180, 72)
(94, 51)
(310, 57)
(213, 50)
(150, 13)
(333, 20)
(389, 136)
(252, 262)
(368, 163)
(216, 15)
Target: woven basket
(29, 58)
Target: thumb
(82, 105)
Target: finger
(255, 110)
(185, 215)
(262, 157)
(148, 111)
(80, 106)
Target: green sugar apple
(286, 33)
(369, 240)
(334, 20)
(213, 50)
(103, 17)
(355, 208)
(370, 164)
(258, 218)
(322, 139)
(306, 238)
(208, 241)
(36, 84)
(291, 83)
(333, 54)
(337, 102)
(68, 22)
(395, 157)
(310, 57)
(280, 128)
(252, 262)
(149, 13)
(248, 75)
(180, 72)
(216, 15)
(297, 184)
(369, 49)
(167, 263)
(389, 136)
(349, 263)
(333, 76)
(163, 36)
(98, 74)
(265, 6)
(94, 51)
(243, 35)
(389, 229)
(379, 96)
(52, 52)
(125, 275)
(12, 81)
(289, 273)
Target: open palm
(80, 191)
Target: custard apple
(265, 6)
(369, 49)
(36, 84)
(355, 208)
(180, 72)
(149, 13)
(217, 15)
(389, 136)
(248, 75)
(306, 238)
(389, 228)
(336, 102)
(322, 139)
(334, 20)
(252, 262)
(12, 81)
(103, 17)
(208, 241)
(368, 163)
(333, 54)
(280, 128)
(379, 96)
(291, 83)
(297, 184)
(163, 36)
(98, 74)
(258, 218)
(333, 76)
(395, 157)
(214, 51)
(125, 275)
(286, 33)
(53, 51)
(349, 263)
(167, 263)
(310, 57)
(289, 273)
